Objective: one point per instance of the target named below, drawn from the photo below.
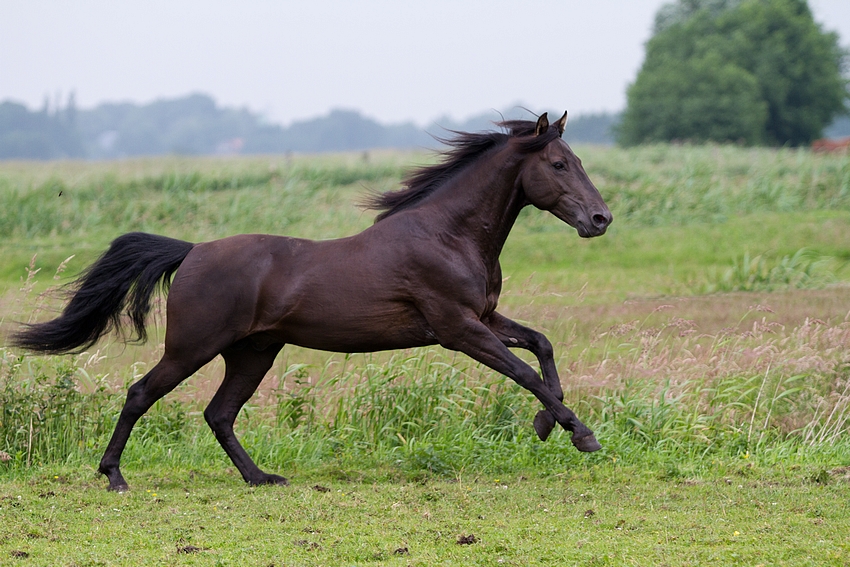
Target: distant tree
(340, 130)
(190, 125)
(36, 135)
(755, 71)
(683, 10)
(591, 128)
(71, 110)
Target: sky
(392, 60)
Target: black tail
(122, 280)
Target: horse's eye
(559, 165)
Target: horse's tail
(122, 280)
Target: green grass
(704, 339)
(599, 515)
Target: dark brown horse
(427, 272)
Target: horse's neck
(484, 202)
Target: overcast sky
(393, 60)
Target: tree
(36, 135)
(756, 71)
(681, 11)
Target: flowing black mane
(464, 148)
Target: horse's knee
(544, 347)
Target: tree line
(196, 125)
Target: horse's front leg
(512, 334)
(474, 338)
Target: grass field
(705, 338)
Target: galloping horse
(426, 272)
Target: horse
(426, 272)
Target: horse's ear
(562, 123)
(542, 124)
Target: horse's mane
(464, 148)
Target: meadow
(705, 338)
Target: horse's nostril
(601, 220)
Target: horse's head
(554, 180)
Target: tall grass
(655, 390)
(253, 201)
(50, 409)
(662, 184)
(645, 186)
(801, 270)
(669, 397)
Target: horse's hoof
(277, 479)
(115, 478)
(270, 479)
(544, 423)
(586, 443)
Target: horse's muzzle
(597, 224)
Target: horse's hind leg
(245, 369)
(163, 378)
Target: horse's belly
(357, 332)
(353, 340)
(351, 344)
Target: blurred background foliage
(749, 71)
